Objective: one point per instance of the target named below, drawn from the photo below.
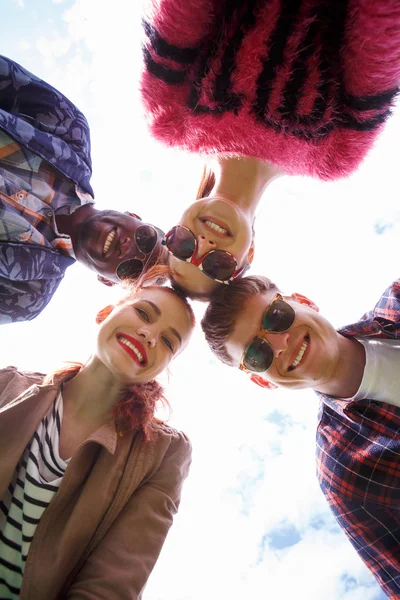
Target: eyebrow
(158, 313)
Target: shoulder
(14, 382)
(14, 372)
(174, 438)
(18, 378)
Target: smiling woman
(85, 439)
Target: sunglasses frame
(158, 232)
(198, 262)
(260, 335)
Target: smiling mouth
(132, 349)
(217, 227)
(109, 241)
(300, 355)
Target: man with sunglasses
(47, 217)
(284, 341)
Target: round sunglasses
(219, 265)
(146, 239)
(259, 354)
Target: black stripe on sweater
(347, 121)
(277, 44)
(10, 566)
(12, 589)
(10, 543)
(35, 502)
(50, 447)
(299, 69)
(333, 17)
(164, 49)
(46, 486)
(171, 76)
(223, 84)
(364, 103)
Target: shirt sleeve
(374, 531)
(118, 568)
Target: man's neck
(347, 377)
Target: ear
(304, 300)
(105, 281)
(250, 256)
(103, 313)
(134, 215)
(268, 385)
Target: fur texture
(305, 84)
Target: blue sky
(253, 523)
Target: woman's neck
(92, 393)
(243, 180)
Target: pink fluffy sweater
(305, 84)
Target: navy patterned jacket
(41, 119)
(358, 459)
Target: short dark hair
(226, 303)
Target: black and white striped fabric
(35, 482)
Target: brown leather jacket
(102, 533)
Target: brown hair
(226, 304)
(137, 404)
(207, 183)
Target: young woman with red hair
(89, 479)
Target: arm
(119, 566)
(42, 118)
(374, 531)
(29, 276)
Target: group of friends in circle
(90, 478)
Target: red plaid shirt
(358, 459)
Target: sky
(253, 522)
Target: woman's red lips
(137, 352)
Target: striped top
(34, 484)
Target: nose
(204, 245)
(147, 337)
(125, 247)
(278, 341)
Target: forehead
(173, 312)
(248, 324)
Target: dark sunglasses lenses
(279, 317)
(219, 265)
(181, 242)
(129, 269)
(258, 356)
(146, 238)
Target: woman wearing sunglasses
(89, 479)
(262, 87)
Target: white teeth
(108, 242)
(300, 354)
(216, 227)
(132, 347)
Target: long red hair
(138, 402)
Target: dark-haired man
(47, 217)
(284, 341)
